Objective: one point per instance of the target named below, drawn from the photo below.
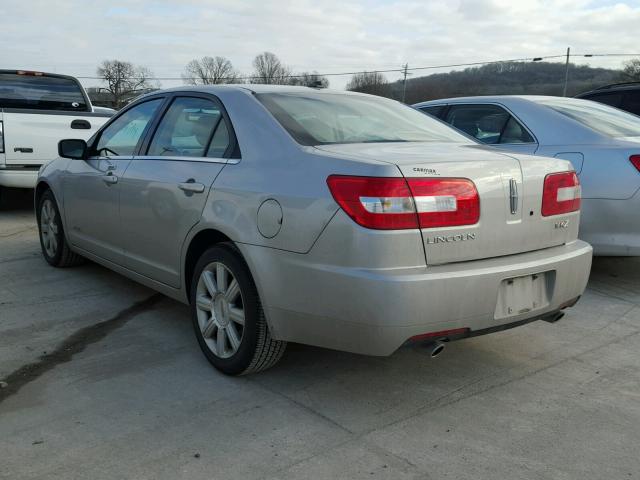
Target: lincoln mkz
(335, 219)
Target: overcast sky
(73, 36)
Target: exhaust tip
(434, 348)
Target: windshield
(41, 92)
(601, 118)
(325, 118)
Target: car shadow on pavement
(16, 200)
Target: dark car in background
(625, 96)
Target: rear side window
(514, 132)
(121, 137)
(41, 92)
(490, 124)
(631, 102)
(188, 128)
(613, 99)
(434, 111)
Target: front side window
(41, 92)
(328, 118)
(121, 137)
(601, 118)
(188, 128)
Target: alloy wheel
(220, 310)
(49, 228)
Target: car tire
(227, 314)
(53, 243)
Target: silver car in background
(333, 219)
(602, 143)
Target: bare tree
(631, 71)
(269, 70)
(124, 80)
(370, 82)
(306, 79)
(210, 71)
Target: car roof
(33, 73)
(250, 87)
(487, 99)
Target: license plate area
(521, 295)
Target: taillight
(635, 159)
(398, 203)
(561, 194)
(1, 137)
(445, 202)
(375, 202)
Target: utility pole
(566, 73)
(404, 82)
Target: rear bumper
(18, 178)
(374, 311)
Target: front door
(164, 191)
(92, 186)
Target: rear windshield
(326, 118)
(40, 93)
(601, 118)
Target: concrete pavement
(106, 381)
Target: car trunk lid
(510, 191)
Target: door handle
(109, 179)
(80, 124)
(190, 186)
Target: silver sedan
(333, 219)
(602, 143)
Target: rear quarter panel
(274, 167)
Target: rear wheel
(227, 315)
(55, 249)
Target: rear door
(92, 186)
(164, 191)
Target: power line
(403, 69)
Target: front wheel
(227, 315)
(55, 249)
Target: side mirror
(75, 149)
